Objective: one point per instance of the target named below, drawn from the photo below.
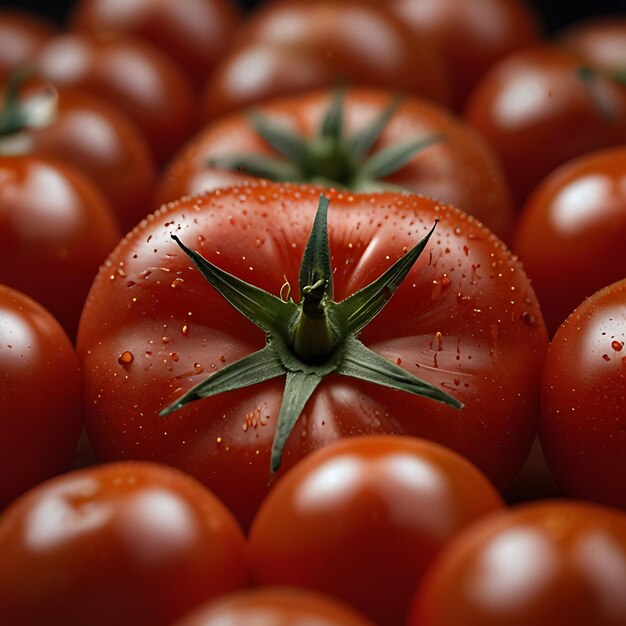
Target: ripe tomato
(291, 46)
(459, 168)
(21, 36)
(130, 544)
(274, 607)
(543, 564)
(465, 319)
(55, 231)
(583, 400)
(132, 75)
(362, 519)
(540, 107)
(193, 33)
(570, 236)
(40, 402)
(471, 34)
(97, 139)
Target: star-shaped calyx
(308, 340)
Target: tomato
(131, 544)
(275, 607)
(40, 402)
(22, 34)
(549, 563)
(55, 231)
(573, 226)
(471, 34)
(583, 420)
(290, 46)
(99, 140)
(193, 33)
(362, 518)
(540, 107)
(465, 320)
(459, 168)
(130, 74)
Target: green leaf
(259, 306)
(298, 389)
(260, 165)
(365, 364)
(362, 306)
(361, 142)
(395, 157)
(257, 367)
(284, 141)
(332, 123)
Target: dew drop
(177, 282)
(185, 330)
(606, 357)
(174, 356)
(126, 358)
(616, 345)
(197, 368)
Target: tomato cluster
(305, 312)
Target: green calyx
(330, 158)
(308, 340)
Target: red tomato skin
(458, 29)
(573, 226)
(55, 231)
(275, 606)
(545, 563)
(131, 544)
(461, 169)
(583, 419)
(465, 319)
(133, 76)
(99, 140)
(537, 112)
(40, 395)
(293, 46)
(362, 519)
(194, 33)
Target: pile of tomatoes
(312, 315)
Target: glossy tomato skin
(461, 169)
(466, 319)
(40, 395)
(583, 419)
(99, 140)
(459, 27)
(570, 236)
(55, 231)
(548, 563)
(133, 76)
(22, 34)
(362, 519)
(131, 544)
(275, 606)
(193, 33)
(540, 107)
(288, 47)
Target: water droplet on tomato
(617, 345)
(185, 330)
(177, 282)
(198, 369)
(126, 358)
(606, 357)
(174, 356)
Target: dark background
(556, 13)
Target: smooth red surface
(40, 400)
(363, 518)
(131, 544)
(544, 564)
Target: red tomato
(275, 607)
(362, 519)
(458, 169)
(583, 407)
(570, 236)
(55, 231)
(21, 36)
(465, 319)
(542, 564)
(130, 544)
(99, 140)
(132, 75)
(471, 34)
(540, 107)
(40, 402)
(193, 33)
(291, 46)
